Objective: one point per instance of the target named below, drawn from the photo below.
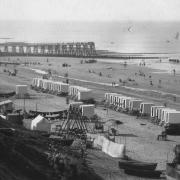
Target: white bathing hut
(154, 112)
(75, 104)
(87, 110)
(158, 112)
(80, 93)
(21, 91)
(145, 108)
(116, 99)
(164, 114)
(173, 117)
(125, 102)
(134, 104)
(60, 87)
(112, 95)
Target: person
(151, 83)
(174, 72)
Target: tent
(40, 124)
(112, 149)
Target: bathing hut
(21, 91)
(75, 104)
(163, 114)
(84, 94)
(80, 93)
(172, 117)
(107, 97)
(112, 97)
(154, 112)
(145, 108)
(134, 104)
(125, 102)
(87, 110)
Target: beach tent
(40, 123)
(112, 149)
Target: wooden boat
(172, 173)
(123, 164)
(143, 173)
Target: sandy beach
(142, 144)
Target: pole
(24, 104)
(36, 107)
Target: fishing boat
(172, 173)
(142, 172)
(134, 164)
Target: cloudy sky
(90, 10)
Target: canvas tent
(40, 124)
(112, 149)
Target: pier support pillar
(35, 50)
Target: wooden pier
(74, 49)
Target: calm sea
(125, 37)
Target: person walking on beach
(174, 72)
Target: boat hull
(143, 173)
(137, 165)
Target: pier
(74, 49)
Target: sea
(123, 37)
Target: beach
(143, 145)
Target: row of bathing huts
(77, 93)
(59, 88)
(157, 113)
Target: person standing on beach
(174, 72)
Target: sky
(90, 10)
